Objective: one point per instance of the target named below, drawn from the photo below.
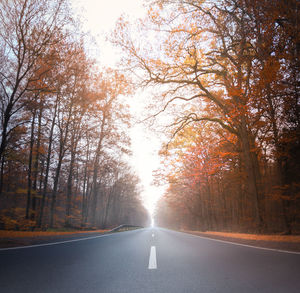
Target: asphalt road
(148, 260)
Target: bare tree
(27, 29)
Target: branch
(169, 102)
(192, 117)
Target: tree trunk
(95, 184)
(6, 119)
(55, 185)
(252, 174)
(69, 183)
(36, 165)
(85, 191)
(29, 178)
(62, 149)
(2, 173)
(47, 165)
(110, 196)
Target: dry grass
(276, 238)
(19, 234)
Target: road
(148, 260)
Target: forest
(224, 81)
(227, 72)
(64, 126)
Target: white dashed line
(152, 259)
(152, 235)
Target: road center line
(152, 259)
(152, 235)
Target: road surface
(148, 260)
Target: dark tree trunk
(253, 179)
(29, 172)
(6, 119)
(55, 186)
(36, 165)
(47, 166)
(86, 188)
(62, 149)
(2, 173)
(69, 183)
(95, 183)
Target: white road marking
(152, 235)
(55, 243)
(240, 244)
(152, 259)
(58, 242)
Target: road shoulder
(278, 242)
(16, 239)
(10, 239)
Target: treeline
(229, 72)
(64, 126)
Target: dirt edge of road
(279, 242)
(25, 239)
(10, 239)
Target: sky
(99, 17)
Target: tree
(64, 126)
(28, 28)
(224, 59)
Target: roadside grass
(55, 232)
(49, 232)
(276, 238)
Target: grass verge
(277, 238)
(52, 232)
(277, 242)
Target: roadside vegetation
(227, 72)
(223, 74)
(64, 126)
(50, 232)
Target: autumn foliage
(64, 126)
(229, 71)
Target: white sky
(99, 18)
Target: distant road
(148, 260)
